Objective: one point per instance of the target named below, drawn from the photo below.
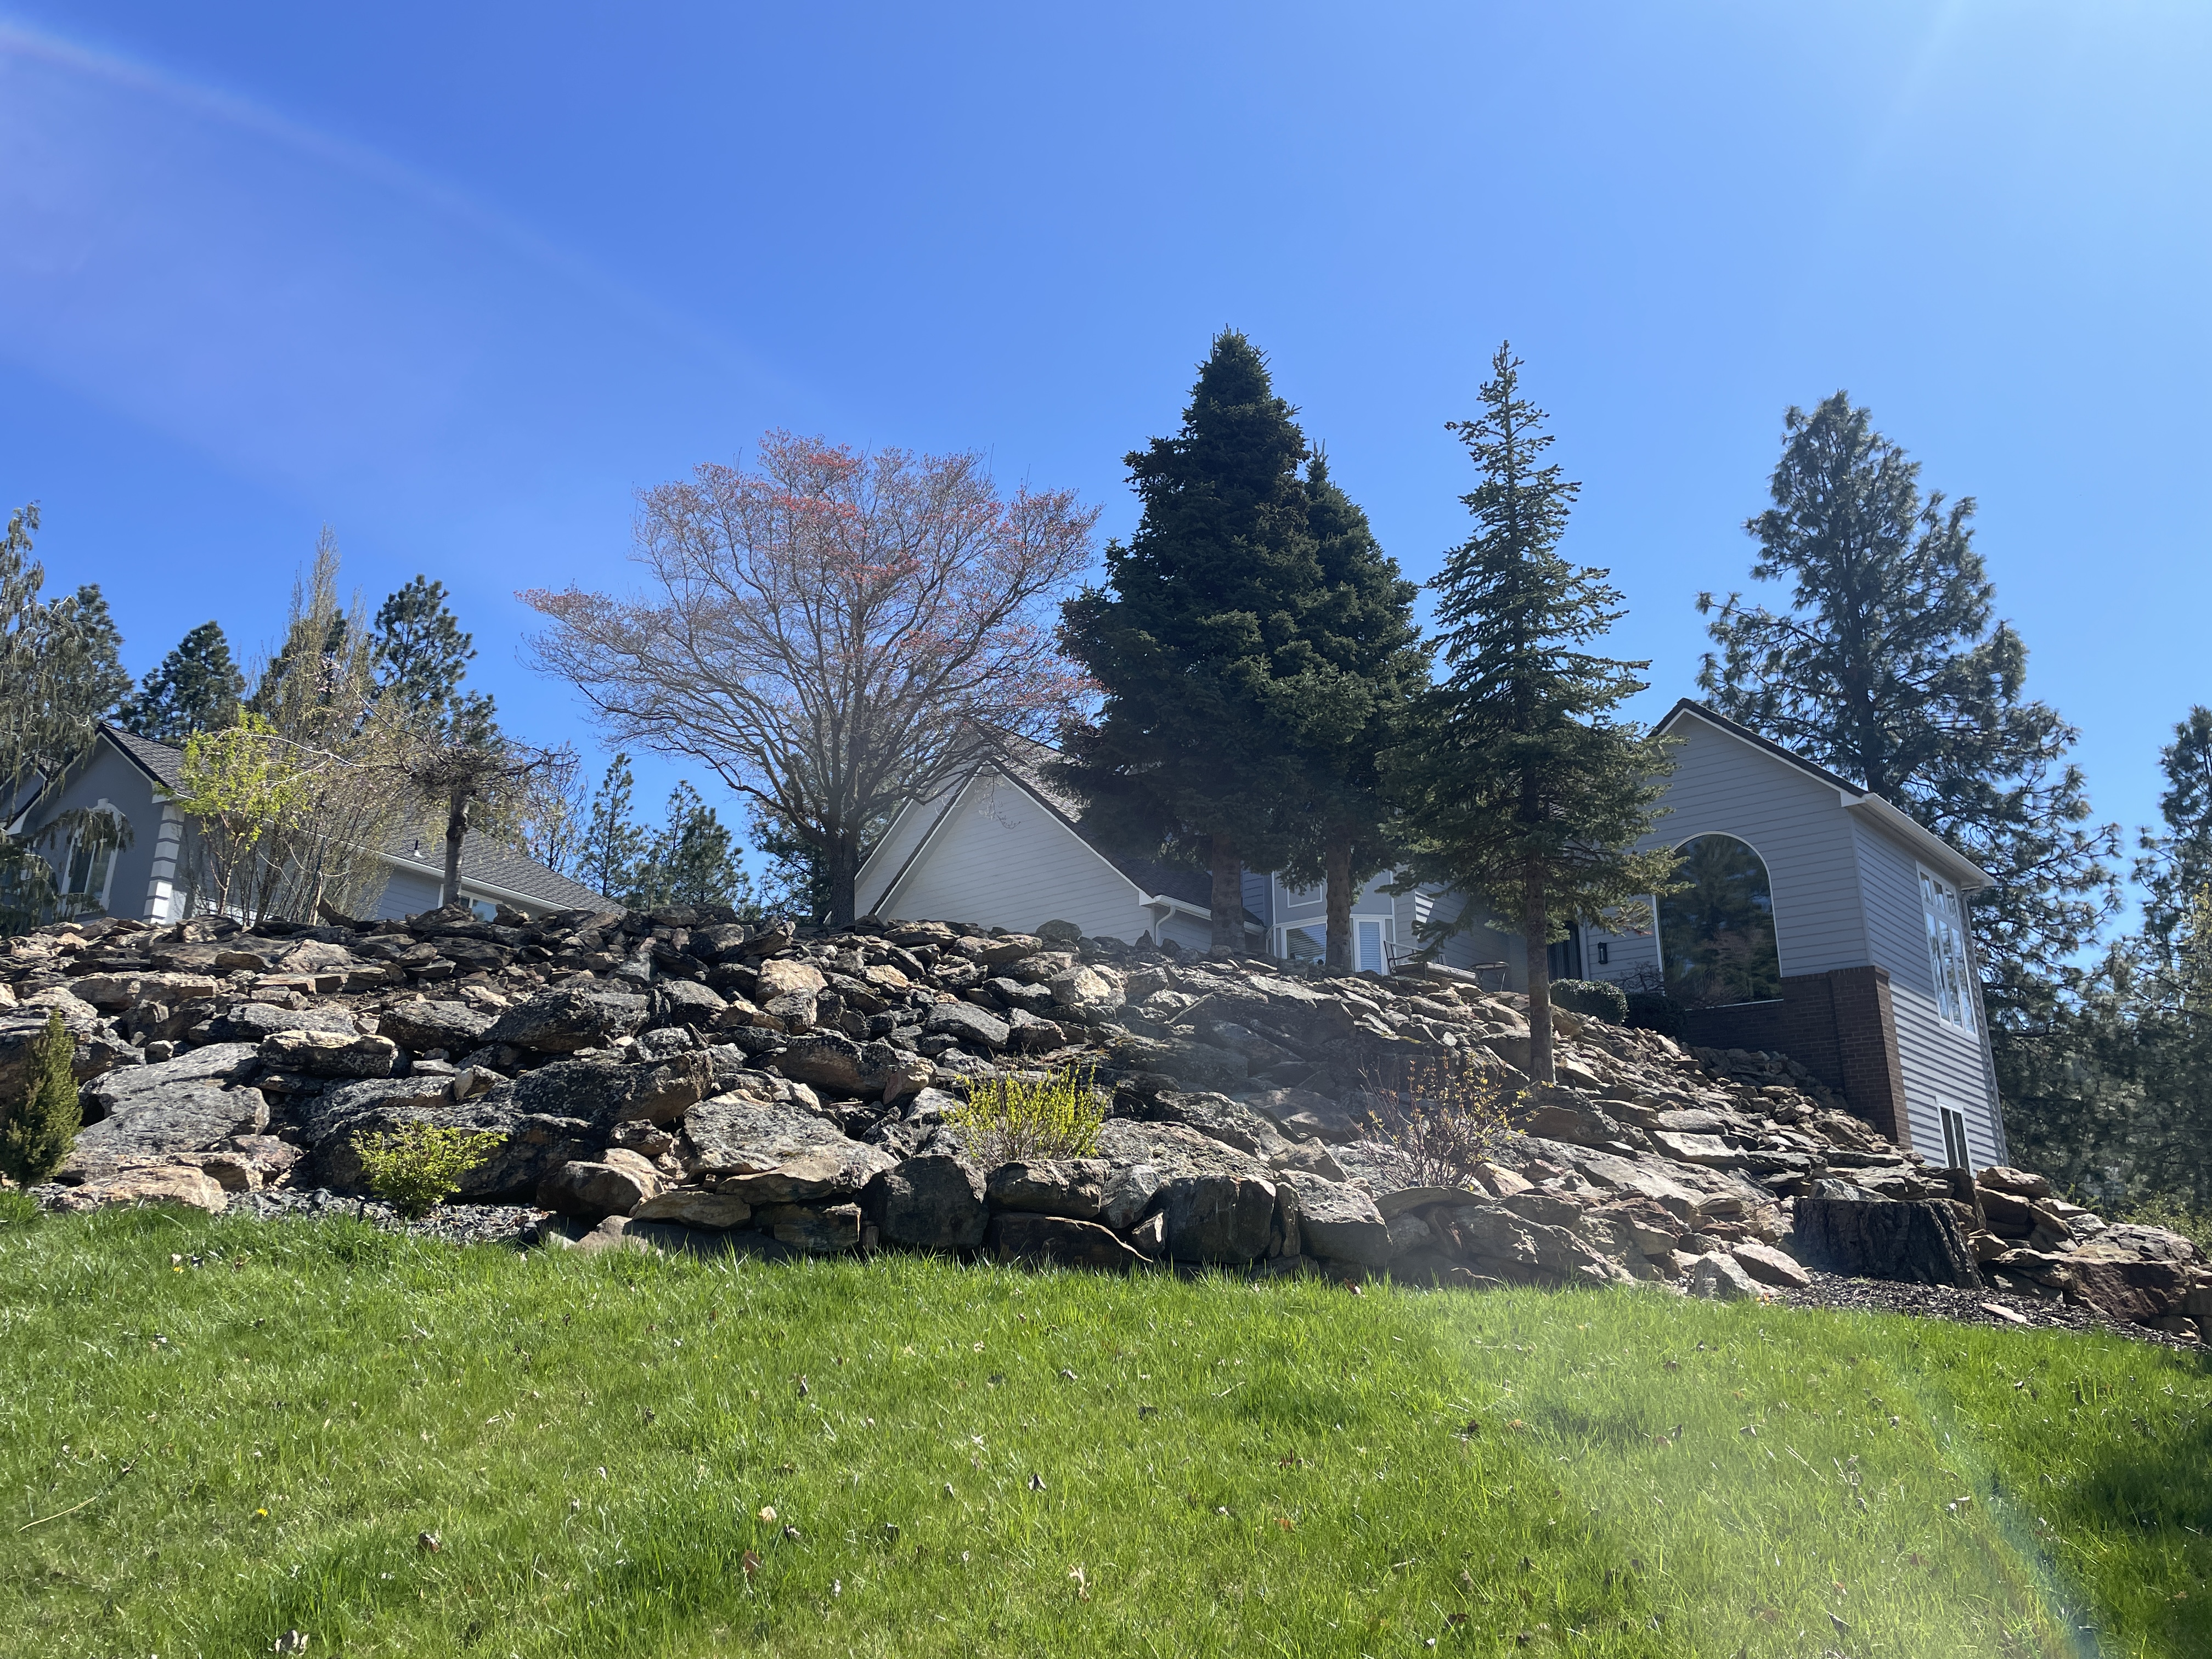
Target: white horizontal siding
(1632, 959)
(1943, 1065)
(1002, 860)
(1724, 786)
(408, 893)
(890, 853)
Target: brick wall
(1840, 1026)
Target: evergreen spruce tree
(1888, 668)
(1518, 786)
(197, 688)
(40, 1128)
(1196, 640)
(613, 844)
(1367, 664)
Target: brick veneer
(1840, 1025)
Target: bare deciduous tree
(832, 634)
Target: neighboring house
(137, 780)
(1820, 920)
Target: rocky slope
(673, 1081)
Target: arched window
(1716, 934)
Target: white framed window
(1956, 995)
(88, 867)
(1308, 942)
(1956, 1152)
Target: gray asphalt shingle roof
(486, 863)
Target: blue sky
(457, 280)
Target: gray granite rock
(422, 1025)
(562, 1020)
(928, 1203)
(1217, 1218)
(967, 1024)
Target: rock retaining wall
(682, 1081)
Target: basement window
(1956, 993)
(1956, 1152)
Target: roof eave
(1929, 845)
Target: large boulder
(1918, 1243)
(824, 1059)
(1217, 1218)
(331, 1055)
(595, 1091)
(188, 1115)
(694, 1207)
(1309, 1116)
(928, 1203)
(1059, 1241)
(531, 1145)
(788, 976)
(615, 1184)
(1215, 1116)
(824, 1229)
(686, 1002)
(256, 1021)
(1719, 1276)
(1075, 1187)
(562, 1020)
(771, 1152)
(1339, 1222)
(157, 1183)
(1195, 1065)
(1089, 994)
(966, 1024)
(422, 1025)
(127, 1087)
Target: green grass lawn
(985, 1462)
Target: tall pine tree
(1196, 640)
(1887, 667)
(692, 860)
(613, 845)
(197, 688)
(421, 657)
(1518, 786)
(1366, 664)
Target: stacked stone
(680, 1080)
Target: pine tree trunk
(1535, 930)
(1337, 857)
(1228, 900)
(456, 829)
(844, 860)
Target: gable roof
(1863, 802)
(1022, 762)
(485, 864)
(158, 761)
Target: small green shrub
(418, 1166)
(42, 1126)
(1016, 1120)
(1597, 998)
(1655, 1011)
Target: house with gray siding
(1818, 919)
(137, 781)
(1822, 921)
